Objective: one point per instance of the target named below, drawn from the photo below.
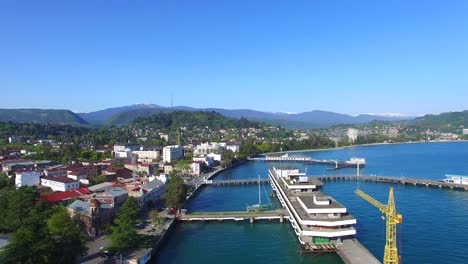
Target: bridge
(394, 180)
(237, 182)
(236, 216)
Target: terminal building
(315, 217)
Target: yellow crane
(393, 218)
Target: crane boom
(392, 219)
(371, 200)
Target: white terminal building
(172, 153)
(315, 217)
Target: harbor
(211, 240)
(321, 223)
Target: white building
(233, 148)
(216, 157)
(465, 131)
(60, 184)
(353, 134)
(172, 153)
(207, 160)
(122, 148)
(195, 167)
(27, 178)
(206, 148)
(315, 217)
(147, 156)
(164, 136)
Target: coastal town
(95, 186)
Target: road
(93, 246)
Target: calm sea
(434, 228)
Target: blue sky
(290, 56)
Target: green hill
(174, 120)
(41, 116)
(445, 122)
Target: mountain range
(126, 114)
(312, 119)
(41, 116)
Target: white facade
(207, 160)
(60, 184)
(27, 178)
(146, 155)
(465, 131)
(216, 157)
(206, 148)
(233, 148)
(164, 136)
(313, 216)
(353, 134)
(121, 154)
(122, 148)
(172, 153)
(195, 167)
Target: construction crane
(393, 218)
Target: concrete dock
(237, 182)
(236, 216)
(395, 180)
(353, 252)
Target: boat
(456, 179)
(258, 207)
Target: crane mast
(392, 219)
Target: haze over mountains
(126, 114)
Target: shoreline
(363, 145)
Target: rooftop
(83, 206)
(62, 179)
(61, 196)
(309, 201)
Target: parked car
(172, 212)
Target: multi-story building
(148, 193)
(207, 160)
(146, 156)
(315, 217)
(353, 134)
(27, 178)
(60, 184)
(195, 168)
(233, 148)
(172, 153)
(93, 214)
(124, 147)
(206, 148)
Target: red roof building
(64, 196)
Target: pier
(337, 164)
(236, 182)
(236, 216)
(395, 180)
(351, 251)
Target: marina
(206, 240)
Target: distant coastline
(365, 145)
